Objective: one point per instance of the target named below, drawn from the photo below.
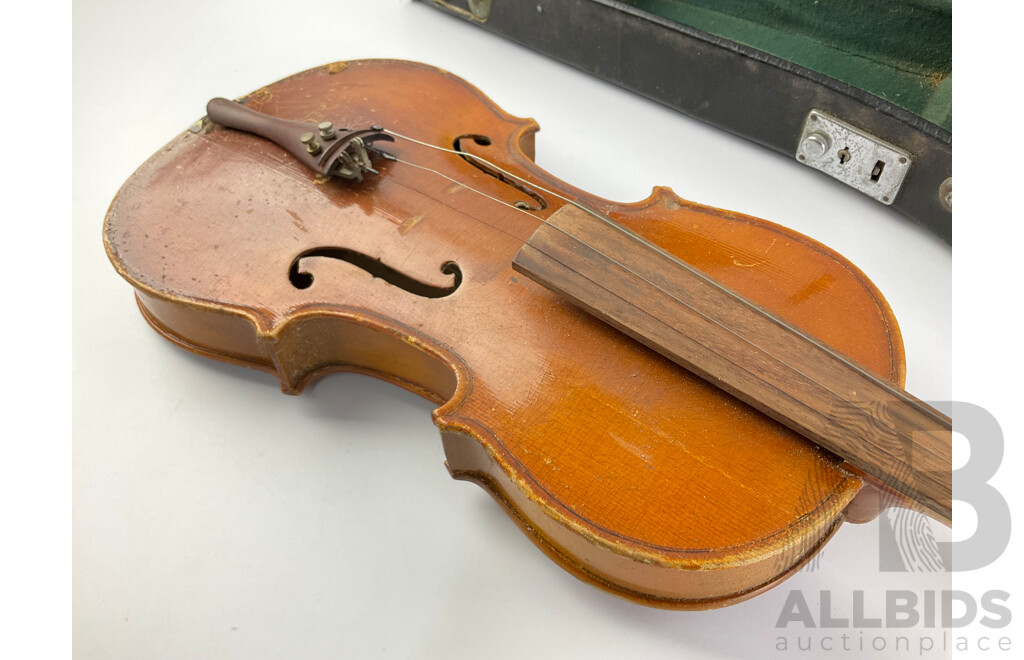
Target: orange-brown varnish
(629, 471)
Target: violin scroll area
(302, 279)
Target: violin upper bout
(790, 274)
(595, 446)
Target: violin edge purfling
(592, 468)
(702, 326)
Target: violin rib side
(631, 473)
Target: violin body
(629, 471)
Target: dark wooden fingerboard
(736, 345)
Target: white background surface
(215, 517)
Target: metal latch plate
(856, 158)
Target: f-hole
(301, 279)
(538, 202)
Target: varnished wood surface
(733, 344)
(633, 474)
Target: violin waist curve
(629, 471)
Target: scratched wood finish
(632, 473)
(690, 319)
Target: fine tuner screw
(312, 146)
(327, 130)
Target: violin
(676, 403)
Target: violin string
(887, 477)
(470, 188)
(902, 395)
(896, 431)
(488, 163)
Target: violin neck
(736, 345)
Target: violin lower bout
(629, 471)
(297, 354)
